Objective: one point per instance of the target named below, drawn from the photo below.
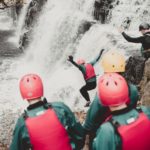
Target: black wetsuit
(144, 40)
(135, 65)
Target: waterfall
(5, 21)
(55, 36)
(20, 29)
(21, 20)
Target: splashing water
(56, 36)
(5, 21)
(54, 39)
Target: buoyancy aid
(136, 134)
(90, 72)
(47, 133)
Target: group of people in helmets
(113, 120)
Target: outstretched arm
(70, 58)
(132, 39)
(97, 58)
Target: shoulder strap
(46, 104)
(115, 124)
(25, 115)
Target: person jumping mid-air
(89, 75)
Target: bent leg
(84, 93)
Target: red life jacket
(90, 72)
(47, 133)
(136, 135)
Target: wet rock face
(33, 12)
(8, 119)
(85, 26)
(80, 115)
(134, 69)
(3, 147)
(145, 85)
(102, 10)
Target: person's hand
(70, 58)
(120, 30)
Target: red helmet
(80, 61)
(31, 87)
(113, 90)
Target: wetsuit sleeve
(95, 116)
(105, 139)
(134, 96)
(97, 58)
(20, 140)
(73, 127)
(75, 64)
(131, 39)
(80, 67)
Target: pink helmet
(80, 61)
(113, 90)
(31, 87)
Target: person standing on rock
(144, 28)
(89, 75)
(111, 62)
(45, 126)
(136, 63)
(127, 128)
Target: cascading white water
(55, 37)
(136, 10)
(5, 21)
(21, 20)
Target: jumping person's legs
(84, 91)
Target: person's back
(127, 128)
(43, 125)
(44, 128)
